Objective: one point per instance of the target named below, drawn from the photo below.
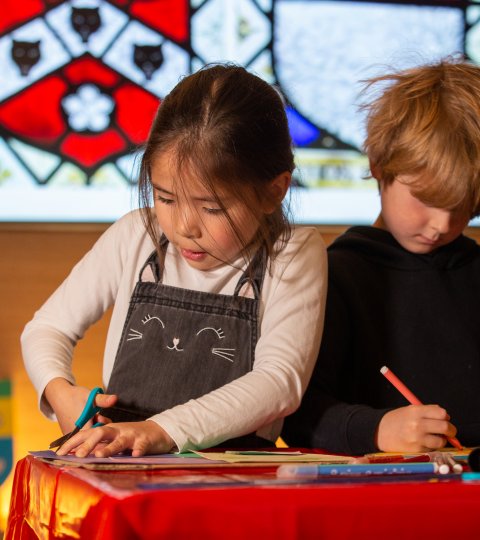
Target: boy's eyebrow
(209, 199)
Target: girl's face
(191, 219)
(415, 226)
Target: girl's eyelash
(213, 210)
(163, 200)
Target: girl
(218, 303)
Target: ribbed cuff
(360, 429)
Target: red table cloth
(50, 502)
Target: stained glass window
(80, 81)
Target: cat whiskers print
(225, 353)
(135, 334)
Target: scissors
(89, 411)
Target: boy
(406, 292)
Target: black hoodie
(417, 314)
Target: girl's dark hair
(229, 128)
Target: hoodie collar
(379, 245)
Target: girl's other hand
(68, 401)
(415, 428)
(140, 437)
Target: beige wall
(34, 260)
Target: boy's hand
(140, 437)
(68, 401)
(415, 428)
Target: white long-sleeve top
(290, 317)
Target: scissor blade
(64, 439)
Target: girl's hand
(140, 437)
(68, 401)
(415, 428)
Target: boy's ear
(375, 170)
(275, 192)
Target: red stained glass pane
(170, 17)
(14, 12)
(135, 120)
(89, 70)
(35, 113)
(90, 150)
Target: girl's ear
(275, 192)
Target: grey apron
(179, 344)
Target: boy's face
(415, 226)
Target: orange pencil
(412, 398)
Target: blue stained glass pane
(302, 131)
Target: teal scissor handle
(90, 409)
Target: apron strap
(253, 274)
(152, 265)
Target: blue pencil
(367, 469)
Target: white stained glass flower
(88, 109)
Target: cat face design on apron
(179, 344)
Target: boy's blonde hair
(426, 122)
